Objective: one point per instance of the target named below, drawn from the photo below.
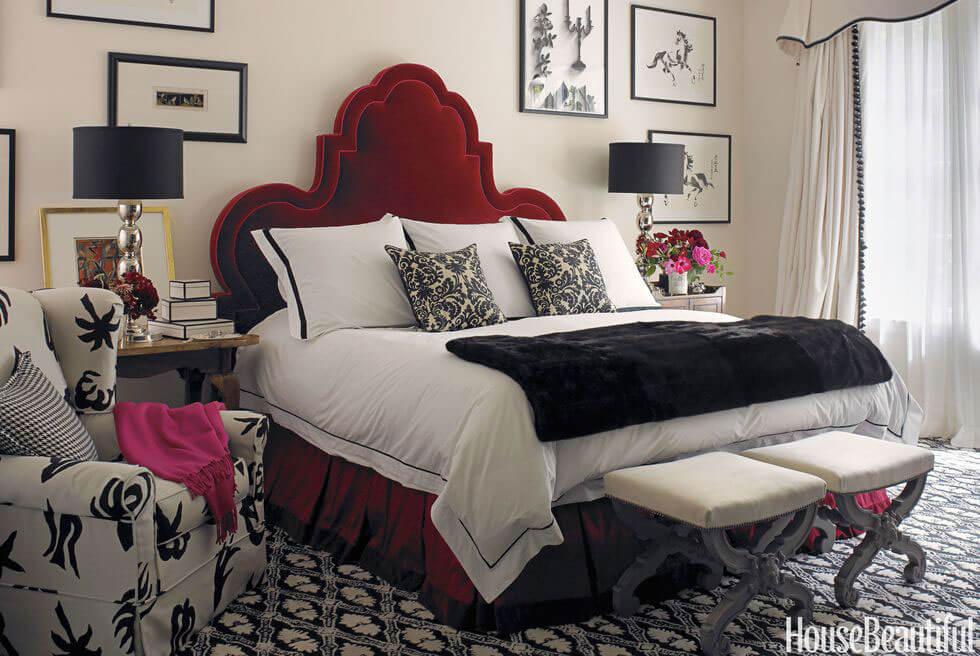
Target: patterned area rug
(313, 606)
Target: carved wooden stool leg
(713, 640)
(881, 532)
(625, 601)
(915, 571)
(758, 564)
(801, 597)
(666, 539)
(760, 569)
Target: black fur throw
(589, 381)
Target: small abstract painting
(96, 255)
(674, 57)
(563, 57)
(194, 99)
(78, 243)
(707, 195)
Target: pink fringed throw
(187, 445)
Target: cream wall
(304, 56)
(768, 99)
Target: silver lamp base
(644, 218)
(130, 240)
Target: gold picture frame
(75, 226)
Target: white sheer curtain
(921, 118)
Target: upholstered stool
(686, 506)
(851, 464)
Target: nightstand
(194, 359)
(712, 300)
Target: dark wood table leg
(193, 384)
(227, 385)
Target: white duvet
(396, 401)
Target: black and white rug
(312, 606)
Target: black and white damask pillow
(35, 419)
(448, 291)
(563, 278)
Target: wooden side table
(194, 359)
(712, 300)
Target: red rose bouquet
(679, 252)
(137, 292)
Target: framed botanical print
(206, 99)
(7, 157)
(707, 195)
(79, 243)
(195, 15)
(564, 57)
(674, 57)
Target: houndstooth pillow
(35, 419)
(563, 278)
(448, 291)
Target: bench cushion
(715, 490)
(849, 463)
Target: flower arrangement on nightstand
(139, 298)
(684, 255)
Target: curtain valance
(810, 22)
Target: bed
(424, 468)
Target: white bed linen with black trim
(396, 401)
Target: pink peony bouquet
(679, 252)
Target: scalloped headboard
(402, 144)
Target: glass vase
(677, 284)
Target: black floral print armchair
(101, 556)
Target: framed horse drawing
(674, 57)
(707, 195)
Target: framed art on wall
(7, 157)
(195, 15)
(674, 57)
(206, 99)
(707, 196)
(80, 242)
(564, 57)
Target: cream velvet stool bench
(687, 506)
(851, 464)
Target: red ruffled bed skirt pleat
(362, 517)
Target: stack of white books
(190, 311)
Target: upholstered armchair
(102, 555)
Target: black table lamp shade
(646, 168)
(136, 163)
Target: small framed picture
(564, 57)
(674, 57)
(707, 196)
(79, 243)
(7, 157)
(195, 15)
(206, 99)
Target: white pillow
(624, 284)
(341, 277)
(491, 239)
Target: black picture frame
(11, 135)
(521, 28)
(116, 58)
(98, 19)
(714, 38)
(728, 138)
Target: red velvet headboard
(402, 144)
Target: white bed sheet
(396, 401)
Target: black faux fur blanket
(589, 381)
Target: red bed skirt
(362, 517)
